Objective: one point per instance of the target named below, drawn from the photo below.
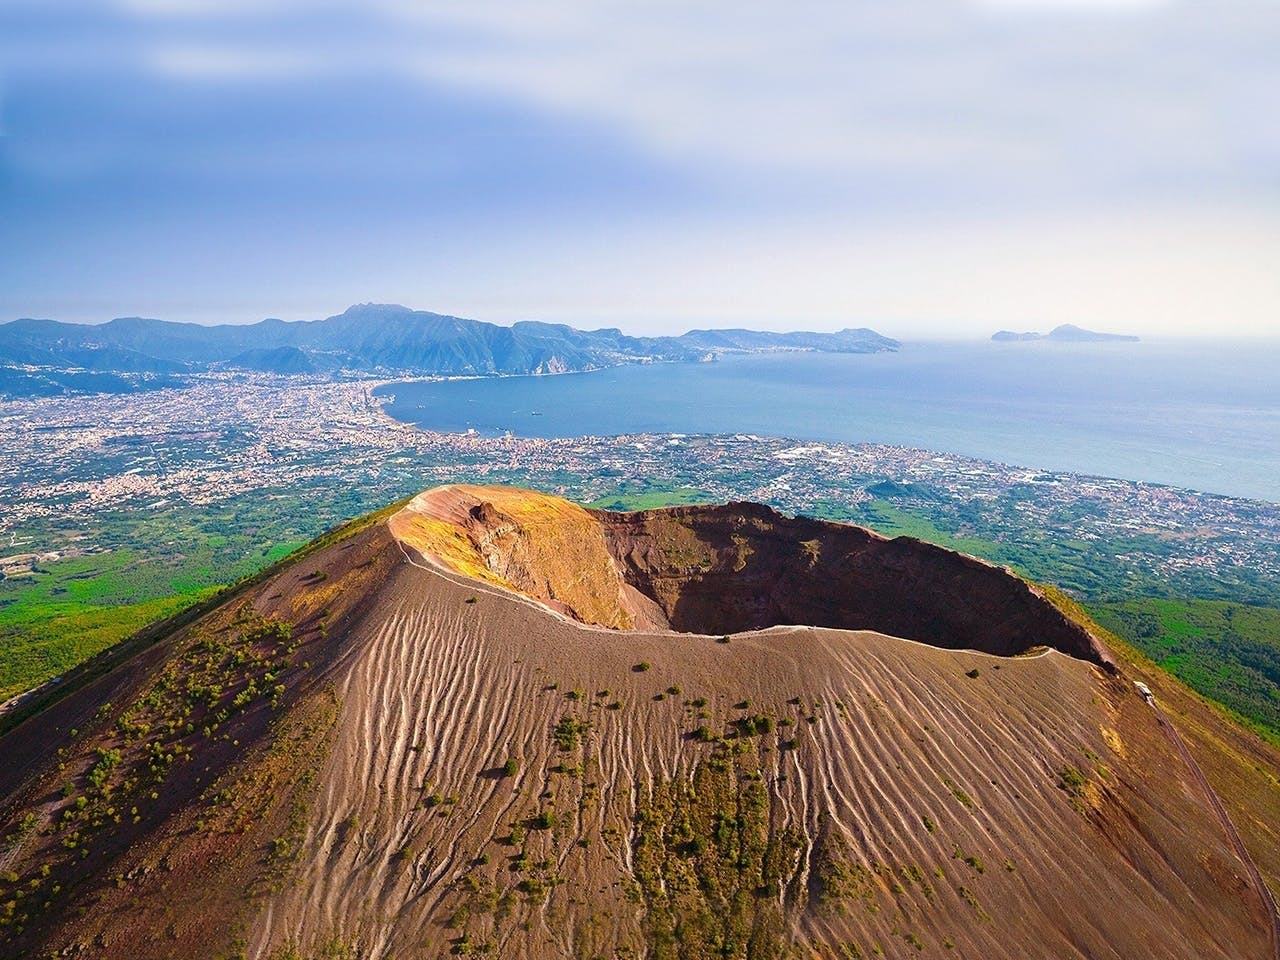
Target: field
(647, 496)
(138, 568)
(883, 517)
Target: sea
(1203, 415)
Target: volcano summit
(492, 722)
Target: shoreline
(385, 400)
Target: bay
(1201, 415)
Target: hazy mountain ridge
(384, 338)
(1065, 333)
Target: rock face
(463, 727)
(541, 546)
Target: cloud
(922, 91)
(206, 9)
(937, 100)
(227, 63)
(1079, 6)
(533, 153)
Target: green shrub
(568, 731)
(754, 726)
(1072, 780)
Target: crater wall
(744, 566)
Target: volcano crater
(729, 568)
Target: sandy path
(1255, 876)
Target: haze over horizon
(941, 168)
(776, 325)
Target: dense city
(67, 463)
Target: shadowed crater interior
(743, 566)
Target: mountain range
(40, 355)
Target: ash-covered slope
(382, 748)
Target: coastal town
(68, 463)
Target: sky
(923, 167)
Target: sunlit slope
(540, 545)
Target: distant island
(47, 358)
(1067, 333)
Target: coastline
(1197, 445)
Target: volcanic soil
(491, 722)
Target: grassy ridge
(1228, 652)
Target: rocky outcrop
(544, 547)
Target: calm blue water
(1199, 415)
